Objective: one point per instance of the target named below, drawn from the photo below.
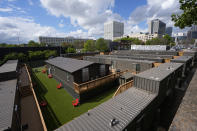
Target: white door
(102, 70)
(85, 74)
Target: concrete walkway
(186, 116)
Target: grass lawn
(60, 109)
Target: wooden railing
(156, 64)
(174, 57)
(180, 53)
(123, 88)
(81, 88)
(167, 60)
(36, 100)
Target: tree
(189, 15)
(78, 44)
(70, 50)
(66, 45)
(167, 39)
(32, 43)
(43, 44)
(101, 45)
(155, 41)
(130, 40)
(89, 46)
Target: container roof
(9, 66)
(124, 108)
(182, 59)
(161, 72)
(7, 97)
(68, 64)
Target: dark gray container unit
(159, 80)
(9, 106)
(151, 58)
(191, 53)
(120, 113)
(67, 71)
(132, 52)
(187, 61)
(8, 70)
(123, 64)
(126, 77)
(155, 56)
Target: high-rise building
(156, 27)
(192, 33)
(194, 28)
(113, 30)
(169, 31)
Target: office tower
(113, 30)
(156, 27)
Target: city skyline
(28, 19)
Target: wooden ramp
(123, 88)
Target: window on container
(113, 64)
(85, 74)
(67, 76)
(102, 70)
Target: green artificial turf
(60, 109)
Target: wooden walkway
(186, 116)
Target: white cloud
(11, 0)
(161, 9)
(26, 29)
(61, 24)
(88, 14)
(30, 2)
(6, 9)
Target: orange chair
(75, 102)
(44, 71)
(50, 76)
(59, 86)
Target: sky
(24, 20)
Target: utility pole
(18, 38)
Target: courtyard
(60, 109)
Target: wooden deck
(81, 88)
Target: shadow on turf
(50, 118)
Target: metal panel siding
(125, 108)
(7, 101)
(124, 64)
(156, 78)
(131, 52)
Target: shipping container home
(126, 77)
(67, 71)
(9, 106)
(9, 97)
(132, 52)
(136, 109)
(8, 70)
(149, 58)
(160, 80)
(120, 113)
(191, 53)
(187, 61)
(123, 64)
